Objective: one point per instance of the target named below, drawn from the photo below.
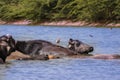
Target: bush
(51, 10)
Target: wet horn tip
(8, 35)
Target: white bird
(58, 40)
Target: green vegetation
(55, 10)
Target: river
(104, 41)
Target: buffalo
(44, 50)
(7, 45)
(41, 49)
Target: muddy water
(104, 40)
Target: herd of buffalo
(42, 50)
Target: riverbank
(80, 23)
(62, 23)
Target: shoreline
(62, 23)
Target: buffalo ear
(71, 41)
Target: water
(61, 69)
(104, 40)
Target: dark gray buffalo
(7, 45)
(79, 47)
(42, 50)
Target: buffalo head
(79, 46)
(9, 40)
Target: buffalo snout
(91, 49)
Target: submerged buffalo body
(41, 49)
(79, 47)
(6, 47)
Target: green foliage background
(55, 10)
